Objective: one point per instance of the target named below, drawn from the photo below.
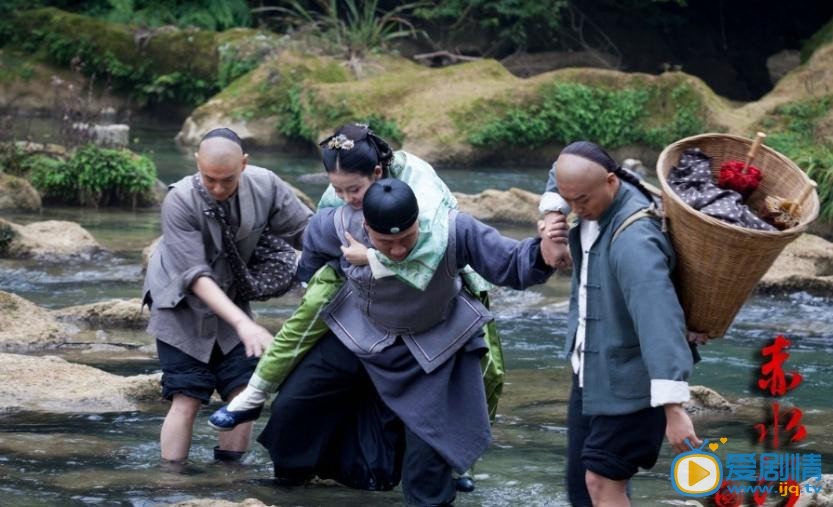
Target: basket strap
(650, 212)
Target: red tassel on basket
(739, 176)
(733, 177)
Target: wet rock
(17, 193)
(211, 502)
(51, 384)
(506, 206)
(806, 264)
(55, 445)
(705, 400)
(258, 131)
(26, 326)
(115, 313)
(52, 241)
(823, 498)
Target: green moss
(184, 66)
(820, 38)
(652, 115)
(794, 130)
(283, 88)
(13, 67)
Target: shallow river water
(112, 459)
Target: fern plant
(360, 27)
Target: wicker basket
(718, 264)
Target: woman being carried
(354, 157)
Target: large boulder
(52, 240)
(51, 384)
(17, 193)
(115, 313)
(167, 63)
(262, 106)
(26, 326)
(504, 206)
(295, 99)
(805, 264)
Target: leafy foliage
(205, 14)
(384, 127)
(361, 26)
(794, 131)
(565, 112)
(510, 21)
(96, 176)
(170, 65)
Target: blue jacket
(635, 328)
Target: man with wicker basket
(626, 335)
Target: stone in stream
(114, 313)
(26, 326)
(507, 206)
(51, 384)
(49, 241)
(705, 400)
(806, 264)
(212, 502)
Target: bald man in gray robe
(206, 338)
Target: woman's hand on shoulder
(354, 252)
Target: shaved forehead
(219, 151)
(579, 170)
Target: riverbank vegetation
(88, 176)
(288, 71)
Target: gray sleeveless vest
(368, 314)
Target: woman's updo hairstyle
(594, 153)
(354, 148)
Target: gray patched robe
(422, 349)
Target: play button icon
(696, 473)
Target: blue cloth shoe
(225, 420)
(464, 483)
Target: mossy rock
(475, 112)
(440, 111)
(261, 105)
(17, 193)
(168, 63)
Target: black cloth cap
(390, 206)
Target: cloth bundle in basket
(719, 264)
